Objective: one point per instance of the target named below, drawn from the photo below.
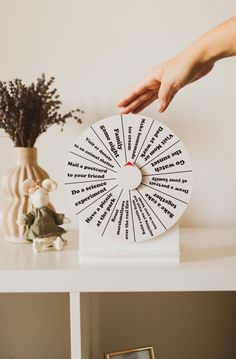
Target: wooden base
(94, 249)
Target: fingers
(147, 84)
(146, 92)
(145, 103)
(138, 101)
(162, 106)
(166, 93)
(134, 93)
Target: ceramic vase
(15, 203)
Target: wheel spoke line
(167, 173)
(105, 146)
(143, 141)
(98, 180)
(160, 154)
(87, 159)
(121, 117)
(131, 209)
(166, 194)
(97, 199)
(112, 212)
(151, 209)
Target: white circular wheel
(129, 177)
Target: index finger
(135, 92)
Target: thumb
(165, 95)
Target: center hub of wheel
(129, 176)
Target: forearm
(216, 44)
(196, 61)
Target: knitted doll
(42, 224)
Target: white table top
(208, 263)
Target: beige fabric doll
(42, 224)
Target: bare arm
(197, 60)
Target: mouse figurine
(42, 224)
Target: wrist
(200, 54)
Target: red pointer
(129, 164)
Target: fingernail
(159, 105)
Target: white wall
(97, 50)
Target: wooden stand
(94, 249)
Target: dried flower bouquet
(28, 111)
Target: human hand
(164, 81)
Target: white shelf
(208, 263)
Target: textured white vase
(15, 203)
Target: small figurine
(41, 225)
